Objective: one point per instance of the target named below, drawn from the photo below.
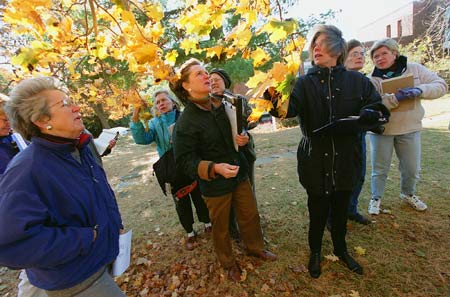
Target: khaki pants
(247, 217)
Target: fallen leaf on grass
(298, 269)
(360, 251)
(332, 258)
(354, 293)
(243, 275)
(141, 261)
(265, 288)
(294, 202)
(395, 225)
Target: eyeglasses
(215, 80)
(357, 54)
(65, 103)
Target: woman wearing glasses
(355, 61)
(59, 218)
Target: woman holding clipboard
(402, 133)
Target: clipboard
(234, 114)
(345, 124)
(392, 85)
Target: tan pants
(247, 217)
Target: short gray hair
(334, 42)
(169, 95)
(27, 104)
(390, 43)
(3, 100)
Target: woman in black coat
(329, 161)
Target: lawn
(404, 253)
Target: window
(399, 28)
(388, 31)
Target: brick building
(403, 24)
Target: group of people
(59, 218)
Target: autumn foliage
(110, 52)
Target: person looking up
(329, 163)
(204, 149)
(159, 132)
(55, 199)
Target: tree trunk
(100, 113)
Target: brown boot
(234, 273)
(265, 255)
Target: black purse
(176, 183)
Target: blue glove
(369, 116)
(408, 93)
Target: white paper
(21, 144)
(102, 142)
(123, 259)
(122, 130)
(230, 110)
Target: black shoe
(359, 218)
(351, 263)
(314, 265)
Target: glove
(271, 94)
(408, 93)
(369, 116)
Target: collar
(69, 143)
(395, 70)
(317, 70)
(6, 139)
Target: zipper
(330, 118)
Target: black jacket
(206, 135)
(328, 163)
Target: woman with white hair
(159, 132)
(59, 218)
(402, 133)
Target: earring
(49, 127)
(189, 90)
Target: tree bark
(100, 113)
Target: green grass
(406, 251)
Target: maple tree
(109, 53)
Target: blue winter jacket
(158, 131)
(50, 202)
(7, 152)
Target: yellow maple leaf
(279, 71)
(256, 79)
(354, 293)
(189, 45)
(214, 51)
(172, 56)
(260, 57)
(360, 251)
(261, 106)
(332, 258)
(145, 53)
(154, 11)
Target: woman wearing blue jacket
(59, 218)
(159, 132)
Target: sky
(355, 13)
